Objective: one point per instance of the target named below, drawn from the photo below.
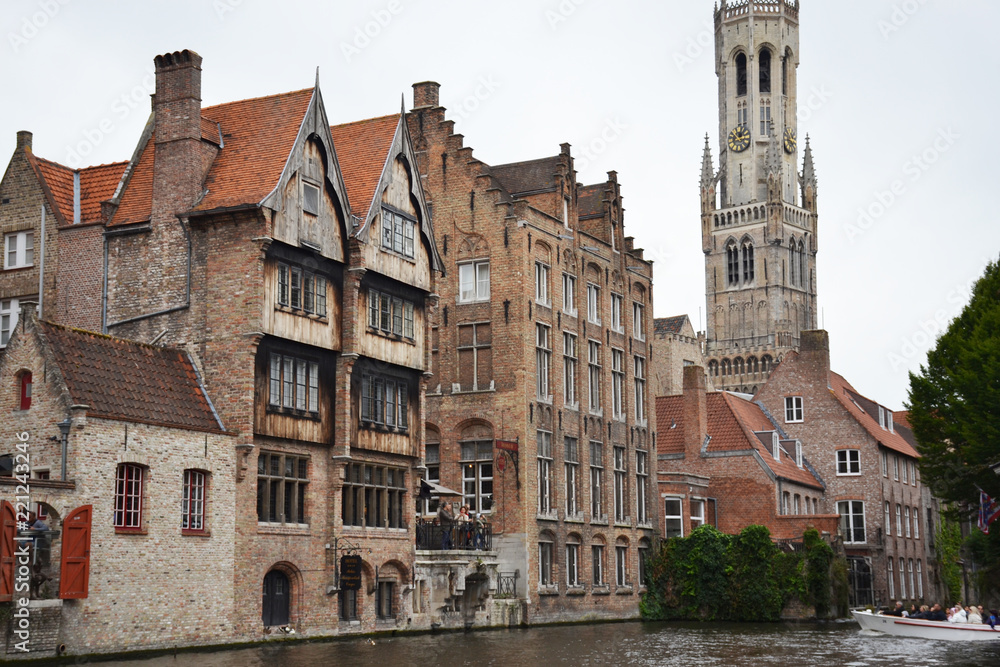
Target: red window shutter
(8, 528)
(74, 578)
(25, 391)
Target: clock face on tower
(789, 140)
(739, 139)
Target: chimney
(814, 353)
(177, 173)
(695, 412)
(24, 140)
(425, 94)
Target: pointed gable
(363, 151)
(59, 181)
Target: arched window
(765, 363)
(784, 72)
(793, 263)
(803, 269)
(765, 117)
(741, 113)
(733, 264)
(727, 367)
(741, 74)
(765, 70)
(25, 384)
(738, 365)
(751, 364)
(748, 261)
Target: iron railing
(466, 537)
(507, 585)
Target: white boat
(902, 626)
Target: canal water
(830, 644)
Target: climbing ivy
(713, 576)
(948, 544)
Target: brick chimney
(814, 355)
(177, 173)
(426, 94)
(24, 140)
(695, 413)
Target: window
(793, 409)
(397, 233)
(9, 313)
(432, 459)
(621, 484)
(570, 354)
(913, 473)
(621, 566)
(128, 497)
(916, 524)
(374, 496)
(796, 504)
(641, 482)
(390, 315)
(906, 523)
(193, 501)
(594, 359)
(920, 581)
(905, 479)
(384, 402)
(348, 605)
(848, 462)
(477, 475)
(617, 383)
(542, 284)
(543, 360)
(572, 458)
(899, 521)
(597, 558)
(474, 281)
(301, 290)
(895, 467)
(19, 250)
(545, 563)
(639, 372)
(281, 488)
(544, 472)
(748, 270)
(643, 551)
(638, 321)
(732, 264)
(475, 356)
(892, 584)
(674, 526)
(25, 382)
(572, 564)
(741, 114)
(383, 600)
(764, 65)
(888, 519)
(798, 453)
(616, 312)
(885, 464)
(569, 294)
(294, 383)
(310, 198)
(765, 117)
(596, 480)
(902, 578)
(741, 74)
(852, 520)
(593, 303)
(697, 513)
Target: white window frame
(618, 384)
(593, 303)
(474, 281)
(892, 583)
(639, 376)
(697, 512)
(10, 312)
(899, 520)
(398, 233)
(895, 468)
(885, 464)
(569, 294)
(542, 284)
(920, 580)
(571, 456)
(545, 563)
(597, 565)
(310, 207)
(544, 472)
(621, 566)
(573, 564)
(18, 257)
(617, 304)
(673, 518)
(293, 383)
(888, 519)
(902, 578)
(848, 462)
(571, 354)
(596, 481)
(641, 486)
(906, 517)
(794, 412)
(916, 523)
(847, 509)
(621, 483)
(638, 321)
(594, 375)
(543, 361)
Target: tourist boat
(917, 627)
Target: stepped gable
(362, 151)
(130, 381)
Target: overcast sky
(895, 95)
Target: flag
(989, 511)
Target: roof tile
(362, 149)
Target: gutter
(41, 267)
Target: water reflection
(612, 644)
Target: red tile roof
(130, 381)
(97, 184)
(59, 180)
(670, 424)
(868, 419)
(362, 150)
(136, 204)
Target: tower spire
(707, 171)
(773, 158)
(808, 171)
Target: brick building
(538, 409)
(869, 465)
(726, 461)
(675, 347)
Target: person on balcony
(447, 519)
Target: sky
(895, 96)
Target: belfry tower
(758, 213)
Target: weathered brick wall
(79, 277)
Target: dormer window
(775, 447)
(397, 233)
(310, 198)
(798, 453)
(25, 390)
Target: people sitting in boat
(973, 615)
(920, 613)
(936, 614)
(994, 619)
(898, 611)
(958, 615)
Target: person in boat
(936, 614)
(973, 615)
(898, 611)
(919, 613)
(993, 620)
(959, 616)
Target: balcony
(431, 536)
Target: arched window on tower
(713, 368)
(793, 263)
(765, 70)
(727, 367)
(784, 72)
(748, 261)
(752, 365)
(741, 113)
(765, 117)
(732, 264)
(766, 364)
(803, 268)
(738, 365)
(741, 74)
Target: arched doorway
(277, 589)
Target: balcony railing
(507, 585)
(470, 536)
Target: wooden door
(8, 529)
(74, 579)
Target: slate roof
(97, 184)
(130, 381)
(590, 201)
(865, 412)
(663, 326)
(362, 150)
(528, 176)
